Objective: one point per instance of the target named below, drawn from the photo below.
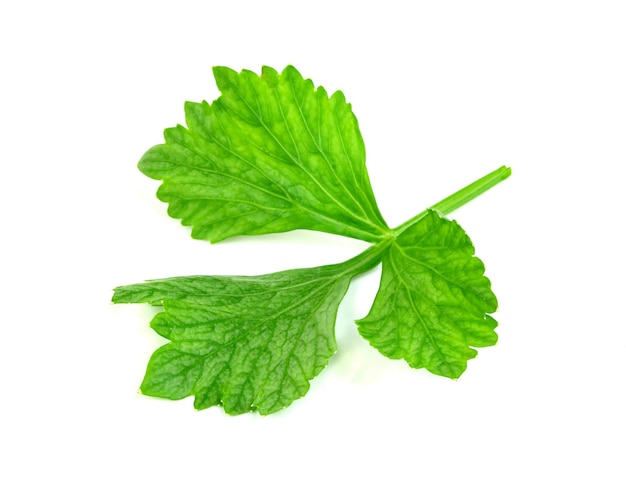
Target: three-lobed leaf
(271, 154)
(274, 154)
(433, 302)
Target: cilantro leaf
(271, 154)
(433, 303)
(243, 342)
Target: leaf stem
(368, 259)
(461, 197)
(371, 257)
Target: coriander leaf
(272, 154)
(433, 302)
(244, 342)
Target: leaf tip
(223, 75)
(290, 70)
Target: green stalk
(371, 257)
(461, 197)
(366, 260)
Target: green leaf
(433, 302)
(242, 342)
(272, 154)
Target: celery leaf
(274, 154)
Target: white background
(444, 92)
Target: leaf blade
(242, 342)
(271, 154)
(433, 303)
